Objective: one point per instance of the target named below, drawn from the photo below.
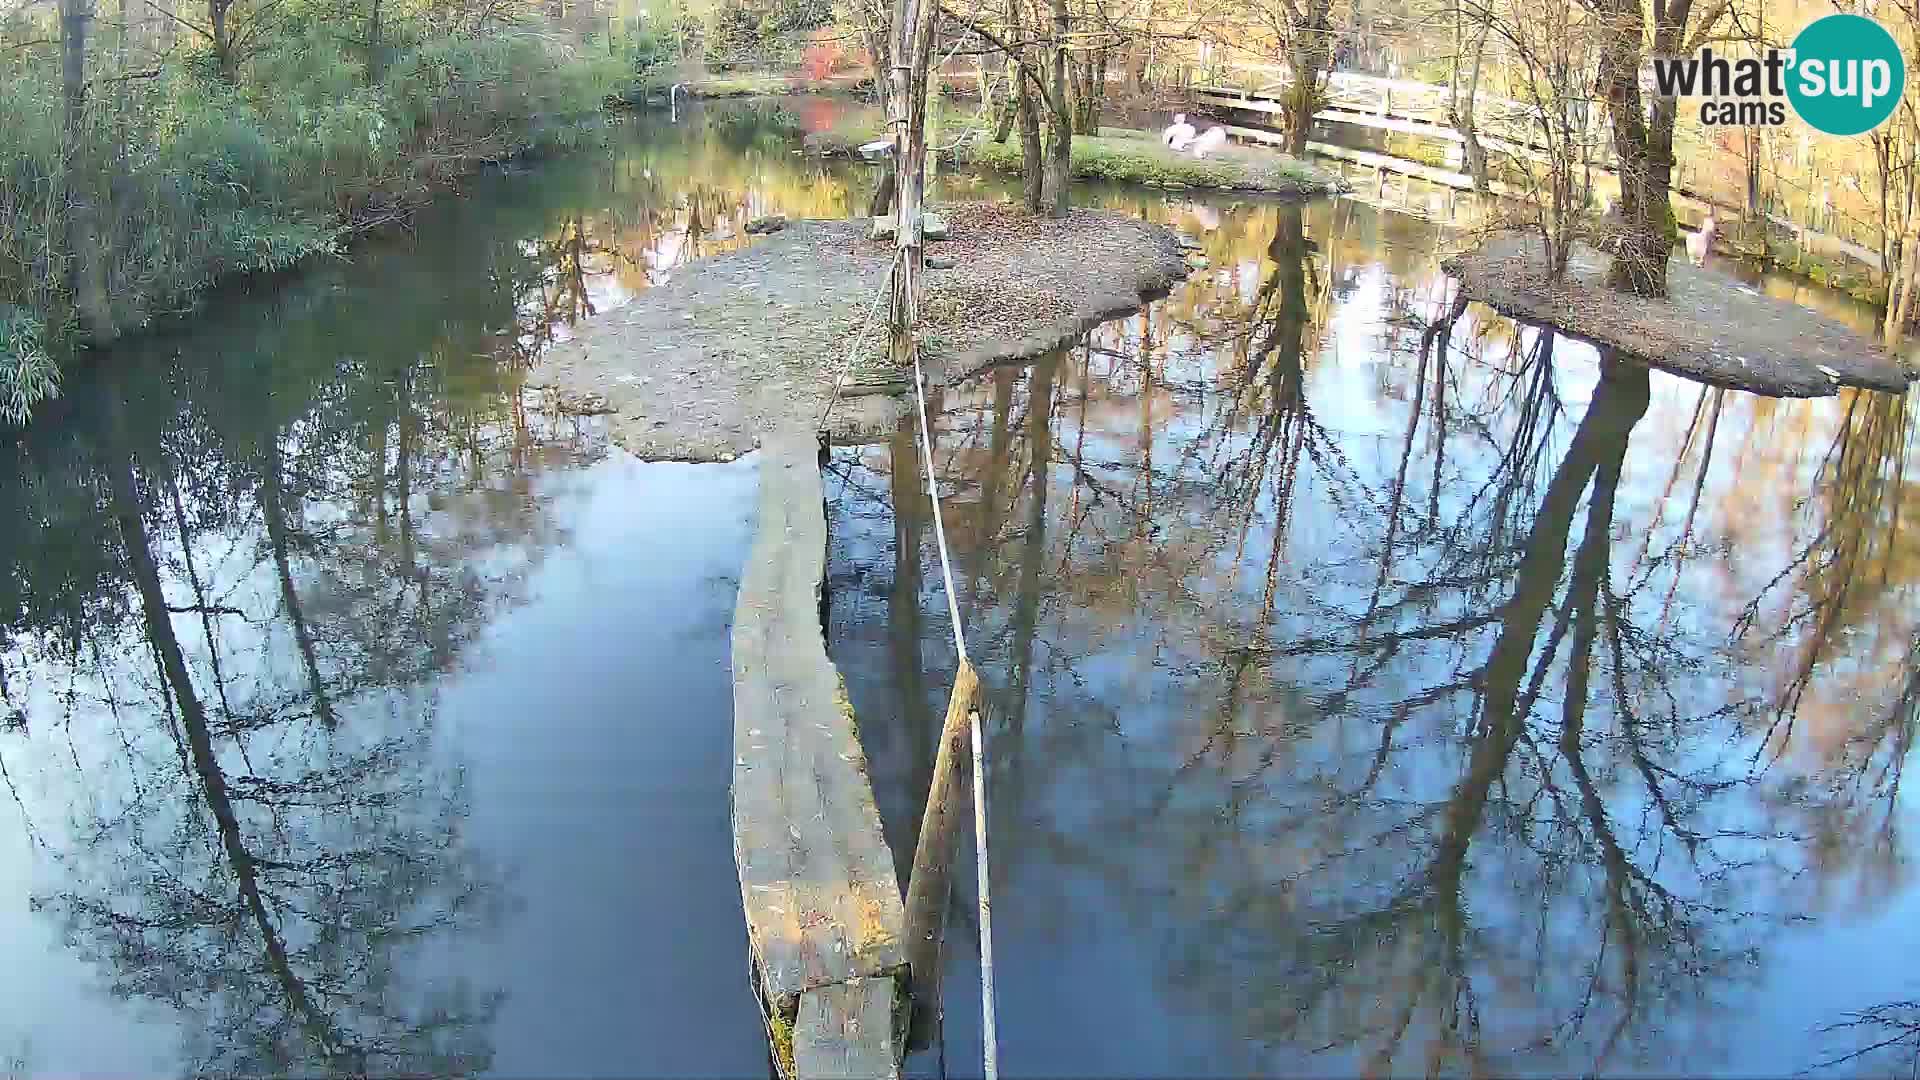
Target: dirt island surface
(700, 367)
(1712, 327)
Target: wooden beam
(927, 885)
(817, 882)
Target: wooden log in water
(817, 881)
(928, 886)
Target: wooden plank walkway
(824, 915)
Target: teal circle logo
(1847, 74)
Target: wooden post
(912, 34)
(928, 883)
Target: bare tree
(1643, 133)
(1547, 46)
(1040, 60)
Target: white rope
(990, 1038)
(886, 287)
(933, 493)
(991, 1047)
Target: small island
(1710, 327)
(733, 347)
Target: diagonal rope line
(933, 493)
(859, 339)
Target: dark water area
(1371, 700)
(1361, 699)
(360, 718)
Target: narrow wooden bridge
(825, 920)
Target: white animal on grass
(1214, 139)
(1700, 244)
(1178, 134)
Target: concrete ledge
(823, 907)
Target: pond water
(1364, 697)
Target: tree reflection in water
(1407, 706)
(239, 563)
(233, 585)
(1406, 689)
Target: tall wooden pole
(911, 46)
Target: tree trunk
(1027, 111)
(1910, 270)
(376, 47)
(217, 12)
(1643, 149)
(1308, 52)
(1463, 107)
(1089, 75)
(1032, 156)
(85, 271)
(1060, 130)
(1003, 120)
(1900, 300)
(1097, 101)
(882, 202)
(912, 40)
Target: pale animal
(1212, 140)
(1700, 244)
(1178, 134)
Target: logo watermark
(1843, 75)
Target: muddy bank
(1712, 327)
(732, 347)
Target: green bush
(193, 180)
(1141, 159)
(28, 376)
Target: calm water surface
(1365, 698)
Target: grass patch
(737, 85)
(1130, 158)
